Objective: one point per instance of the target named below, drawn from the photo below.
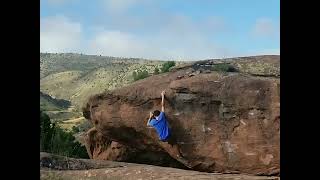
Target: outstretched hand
(163, 93)
(151, 114)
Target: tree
(46, 131)
(134, 74)
(167, 65)
(54, 139)
(141, 74)
(224, 67)
(75, 129)
(156, 70)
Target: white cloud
(164, 45)
(265, 27)
(152, 33)
(177, 38)
(171, 36)
(156, 34)
(59, 34)
(116, 43)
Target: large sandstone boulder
(223, 122)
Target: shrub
(224, 68)
(46, 131)
(134, 75)
(55, 140)
(141, 74)
(167, 65)
(75, 129)
(156, 70)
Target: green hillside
(51, 104)
(75, 77)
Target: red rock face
(222, 122)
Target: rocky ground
(58, 167)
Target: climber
(158, 121)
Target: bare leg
(174, 151)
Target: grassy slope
(57, 109)
(75, 77)
(49, 104)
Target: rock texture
(101, 147)
(58, 167)
(223, 122)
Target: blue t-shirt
(161, 126)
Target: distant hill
(75, 77)
(72, 78)
(51, 104)
(264, 65)
(51, 63)
(57, 109)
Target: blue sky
(161, 29)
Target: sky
(161, 29)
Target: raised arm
(162, 101)
(148, 123)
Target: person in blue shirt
(159, 122)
